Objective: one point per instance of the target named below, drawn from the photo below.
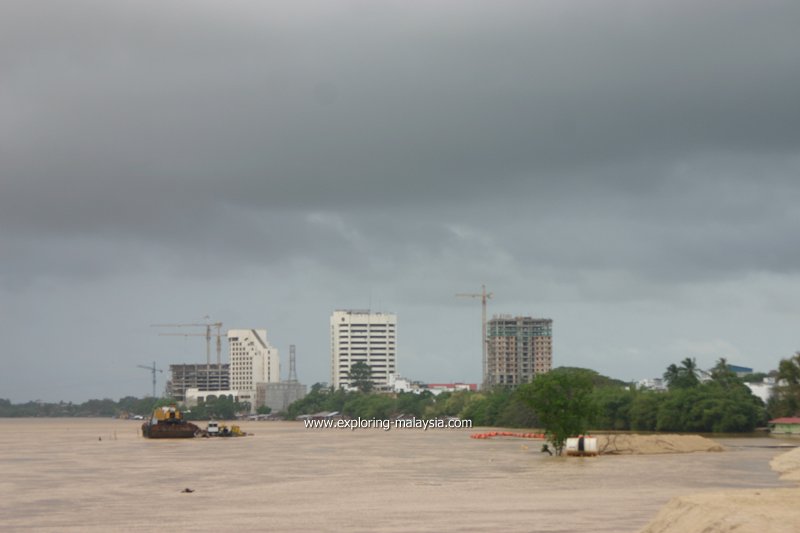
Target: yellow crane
(207, 335)
(484, 296)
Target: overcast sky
(629, 169)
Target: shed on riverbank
(788, 425)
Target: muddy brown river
(101, 475)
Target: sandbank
(742, 511)
(633, 444)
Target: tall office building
(363, 336)
(518, 348)
(252, 361)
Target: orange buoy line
(507, 434)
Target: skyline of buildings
(518, 349)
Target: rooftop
(786, 420)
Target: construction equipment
(167, 422)
(207, 335)
(152, 369)
(215, 429)
(483, 295)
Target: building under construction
(518, 349)
(197, 376)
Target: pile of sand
(788, 465)
(742, 511)
(653, 444)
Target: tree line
(722, 403)
(128, 405)
(222, 408)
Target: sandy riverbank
(632, 444)
(742, 511)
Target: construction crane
(207, 335)
(152, 369)
(483, 295)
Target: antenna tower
(292, 365)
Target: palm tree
(787, 394)
(682, 377)
(789, 370)
(672, 375)
(689, 371)
(723, 375)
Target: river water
(100, 475)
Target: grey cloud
(569, 155)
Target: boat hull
(185, 430)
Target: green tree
(360, 376)
(682, 377)
(613, 407)
(378, 406)
(724, 376)
(314, 402)
(786, 400)
(789, 369)
(517, 413)
(755, 377)
(412, 404)
(220, 408)
(562, 400)
(644, 410)
(264, 410)
(710, 407)
(476, 409)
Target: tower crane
(152, 369)
(484, 296)
(207, 335)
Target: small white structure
(763, 390)
(651, 384)
(194, 395)
(398, 384)
(438, 388)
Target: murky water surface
(100, 475)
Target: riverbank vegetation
(719, 402)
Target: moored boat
(167, 423)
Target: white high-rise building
(360, 335)
(252, 361)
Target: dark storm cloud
(581, 153)
(127, 119)
(353, 105)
